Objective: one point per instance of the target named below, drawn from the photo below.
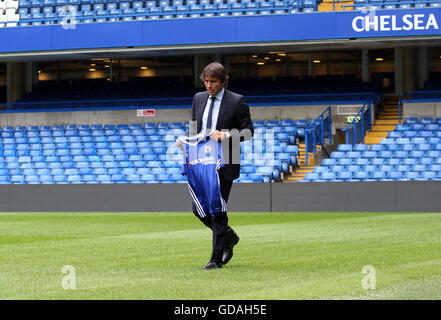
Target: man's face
(213, 85)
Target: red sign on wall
(145, 112)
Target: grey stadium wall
(402, 196)
(169, 115)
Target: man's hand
(179, 145)
(218, 135)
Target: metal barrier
(361, 123)
(317, 131)
(400, 102)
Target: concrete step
(377, 134)
(383, 127)
(304, 169)
(390, 107)
(389, 112)
(372, 140)
(295, 178)
(299, 174)
(386, 122)
(391, 117)
(391, 98)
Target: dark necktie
(210, 114)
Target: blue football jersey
(202, 162)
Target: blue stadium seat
(117, 178)
(344, 161)
(310, 176)
(103, 178)
(394, 175)
(361, 175)
(344, 147)
(272, 123)
(336, 168)
(410, 134)
(385, 154)
(89, 178)
(360, 147)
(428, 175)
(419, 168)
(286, 123)
(74, 179)
(320, 170)
(291, 149)
(353, 154)
(45, 179)
(328, 162)
(337, 155)
(344, 176)
(411, 175)
(361, 161)
(394, 134)
(59, 179)
(434, 154)
(328, 176)
(425, 120)
(393, 162)
(258, 124)
(163, 178)
(377, 175)
(410, 120)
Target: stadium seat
(344, 147)
(428, 175)
(377, 175)
(344, 176)
(85, 154)
(410, 120)
(411, 175)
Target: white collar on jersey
(193, 140)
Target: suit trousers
(222, 233)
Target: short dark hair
(215, 70)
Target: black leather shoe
(212, 265)
(228, 251)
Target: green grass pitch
(280, 256)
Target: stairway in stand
(385, 122)
(300, 172)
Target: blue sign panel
(263, 28)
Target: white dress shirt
(215, 112)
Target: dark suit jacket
(234, 115)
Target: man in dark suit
(225, 116)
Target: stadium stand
(431, 91)
(47, 12)
(129, 153)
(156, 91)
(410, 152)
